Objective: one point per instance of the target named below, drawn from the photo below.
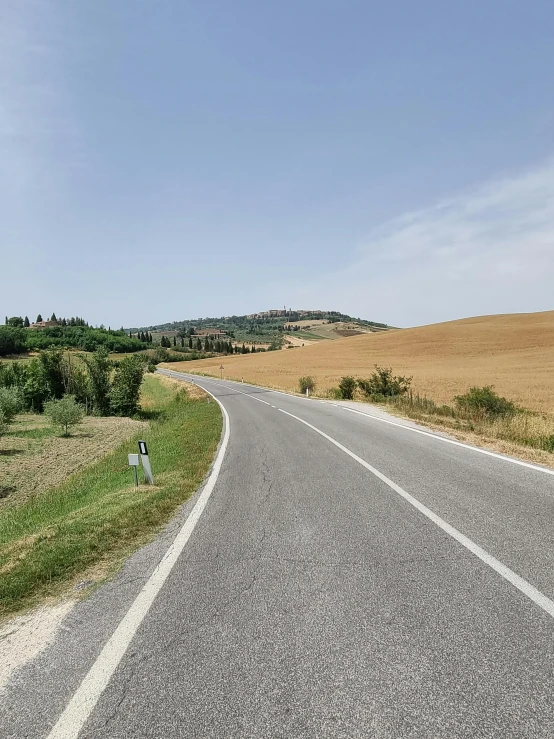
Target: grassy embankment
(84, 527)
(514, 353)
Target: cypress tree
(174, 341)
(182, 341)
(26, 322)
(198, 344)
(39, 319)
(190, 342)
(53, 317)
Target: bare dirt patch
(24, 637)
(33, 459)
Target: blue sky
(166, 159)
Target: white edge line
(91, 688)
(505, 572)
(535, 595)
(448, 441)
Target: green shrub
(383, 384)
(347, 386)
(334, 393)
(11, 403)
(306, 383)
(64, 413)
(12, 340)
(483, 401)
(3, 425)
(125, 389)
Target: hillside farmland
(513, 352)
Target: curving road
(341, 575)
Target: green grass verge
(97, 517)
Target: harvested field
(297, 340)
(33, 459)
(513, 352)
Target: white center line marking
(514, 579)
(88, 693)
(403, 426)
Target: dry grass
(513, 352)
(194, 392)
(297, 341)
(33, 459)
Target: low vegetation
(306, 384)
(480, 410)
(51, 539)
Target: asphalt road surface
(339, 576)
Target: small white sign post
(145, 459)
(134, 463)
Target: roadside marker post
(222, 368)
(134, 463)
(307, 392)
(145, 459)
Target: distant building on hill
(44, 324)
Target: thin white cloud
(489, 250)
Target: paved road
(348, 577)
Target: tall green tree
(190, 342)
(39, 319)
(26, 323)
(125, 389)
(99, 369)
(53, 317)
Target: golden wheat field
(513, 352)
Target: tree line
(16, 340)
(95, 382)
(19, 322)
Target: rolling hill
(513, 352)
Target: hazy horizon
(168, 160)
